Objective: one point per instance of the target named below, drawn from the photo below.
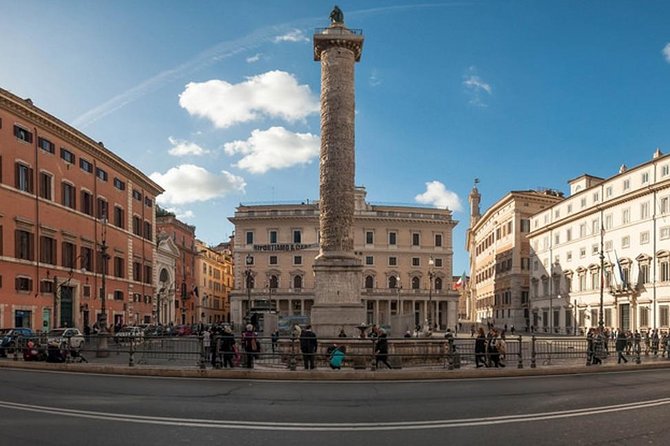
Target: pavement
(116, 365)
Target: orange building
(76, 223)
(187, 293)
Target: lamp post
(575, 321)
(601, 322)
(249, 260)
(431, 274)
(102, 350)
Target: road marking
(334, 427)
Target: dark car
(9, 339)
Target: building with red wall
(67, 204)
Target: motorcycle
(34, 352)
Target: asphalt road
(614, 408)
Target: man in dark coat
(621, 342)
(382, 351)
(308, 347)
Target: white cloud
(255, 58)
(182, 214)
(295, 35)
(439, 196)
(476, 87)
(666, 52)
(185, 148)
(188, 183)
(374, 79)
(276, 94)
(274, 148)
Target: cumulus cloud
(185, 148)
(476, 87)
(439, 196)
(275, 94)
(295, 35)
(255, 58)
(666, 52)
(274, 148)
(182, 214)
(188, 183)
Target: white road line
(334, 427)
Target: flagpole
(601, 322)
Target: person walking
(655, 340)
(250, 346)
(480, 348)
(308, 345)
(382, 350)
(599, 348)
(274, 339)
(494, 353)
(620, 346)
(228, 346)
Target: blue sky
(218, 101)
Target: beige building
(213, 276)
(406, 254)
(500, 256)
(616, 230)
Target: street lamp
(601, 322)
(249, 260)
(102, 351)
(431, 274)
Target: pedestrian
(382, 350)
(492, 349)
(511, 329)
(620, 346)
(599, 348)
(216, 350)
(654, 342)
(308, 346)
(408, 334)
(228, 346)
(206, 344)
(480, 348)
(274, 339)
(250, 346)
(336, 357)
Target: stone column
(337, 300)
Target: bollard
(201, 363)
(520, 363)
(131, 355)
(291, 360)
(532, 352)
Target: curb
(327, 375)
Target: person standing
(382, 350)
(228, 346)
(274, 339)
(250, 346)
(480, 348)
(308, 346)
(620, 345)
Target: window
(250, 237)
(644, 273)
(626, 184)
(24, 178)
(568, 235)
(582, 230)
(69, 253)
(664, 205)
(438, 262)
(416, 239)
(438, 240)
(118, 295)
(118, 217)
(625, 241)
(644, 210)
(438, 284)
(137, 195)
(596, 197)
(273, 237)
(570, 208)
(595, 227)
(148, 230)
(297, 282)
(25, 247)
(664, 233)
(525, 225)
(46, 145)
(369, 260)
(120, 185)
(24, 284)
(557, 239)
(665, 170)
(416, 261)
(297, 260)
(101, 174)
(664, 270)
(102, 208)
(393, 261)
(118, 267)
(137, 272)
(608, 246)
(47, 250)
(86, 203)
(644, 237)
(625, 216)
(69, 196)
(608, 221)
(582, 252)
(583, 203)
(47, 287)
(369, 237)
(46, 181)
(369, 282)
(272, 260)
(594, 250)
(137, 225)
(663, 315)
(86, 258)
(393, 238)
(148, 202)
(568, 256)
(85, 165)
(297, 236)
(67, 155)
(608, 191)
(645, 177)
(23, 134)
(147, 274)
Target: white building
(621, 223)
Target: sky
(218, 101)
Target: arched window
(393, 282)
(274, 282)
(416, 283)
(369, 282)
(297, 282)
(438, 283)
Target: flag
(461, 281)
(619, 272)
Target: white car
(127, 334)
(68, 337)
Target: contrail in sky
(217, 53)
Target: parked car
(10, 336)
(68, 337)
(127, 334)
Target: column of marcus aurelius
(337, 301)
